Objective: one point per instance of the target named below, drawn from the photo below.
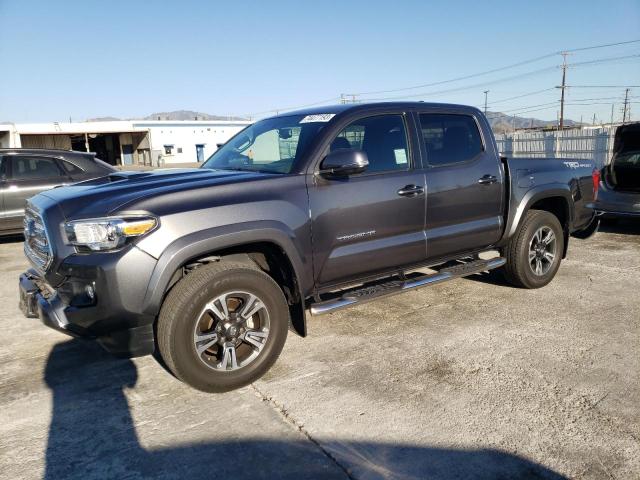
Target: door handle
(411, 191)
(487, 179)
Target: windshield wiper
(239, 169)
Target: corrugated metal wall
(594, 144)
(62, 142)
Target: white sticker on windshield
(401, 156)
(319, 117)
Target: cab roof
(336, 109)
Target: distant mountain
(501, 123)
(189, 115)
(175, 115)
(103, 119)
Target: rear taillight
(595, 176)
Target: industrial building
(127, 142)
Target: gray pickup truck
(311, 211)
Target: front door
(27, 176)
(127, 154)
(372, 222)
(200, 153)
(464, 185)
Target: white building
(127, 142)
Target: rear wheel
(535, 252)
(222, 326)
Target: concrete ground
(467, 379)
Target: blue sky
(83, 59)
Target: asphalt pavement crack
(286, 416)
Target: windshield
(627, 159)
(625, 171)
(272, 145)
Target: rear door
(27, 176)
(464, 184)
(371, 222)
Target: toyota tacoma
(303, 213)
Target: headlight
(107, 233)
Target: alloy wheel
(542, 250)
(231, 331)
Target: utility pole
(594, 119)
(562, 88)
(625, 108)
(612, 113)
(485, 101)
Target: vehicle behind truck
(619, 194)
(307, 212)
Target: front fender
(204, 242)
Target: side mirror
(343, 162)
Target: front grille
(36, 240)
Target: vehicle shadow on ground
(492, 277)
(11, 239)
(621, 226)
(92, 435)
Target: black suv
(26, 172)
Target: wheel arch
(557, 200)
(270, 249)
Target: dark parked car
(319, 209)
(619, 194)
(26, 172)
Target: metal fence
(594, 144)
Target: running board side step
(387, 288)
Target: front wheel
(534, 253)
(222, 326)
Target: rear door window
(26, 167)
(450, 139)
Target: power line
(602, 46)
(514, 65)
(523, 95)
(603, 86)
(487, 72)
(543, 106)
(501, 80)
(469, 87)
(600, 98)
(603, 60)
(277, 110)
(555, 102)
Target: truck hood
(105, 195)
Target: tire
(519, 269)
(190, 307)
